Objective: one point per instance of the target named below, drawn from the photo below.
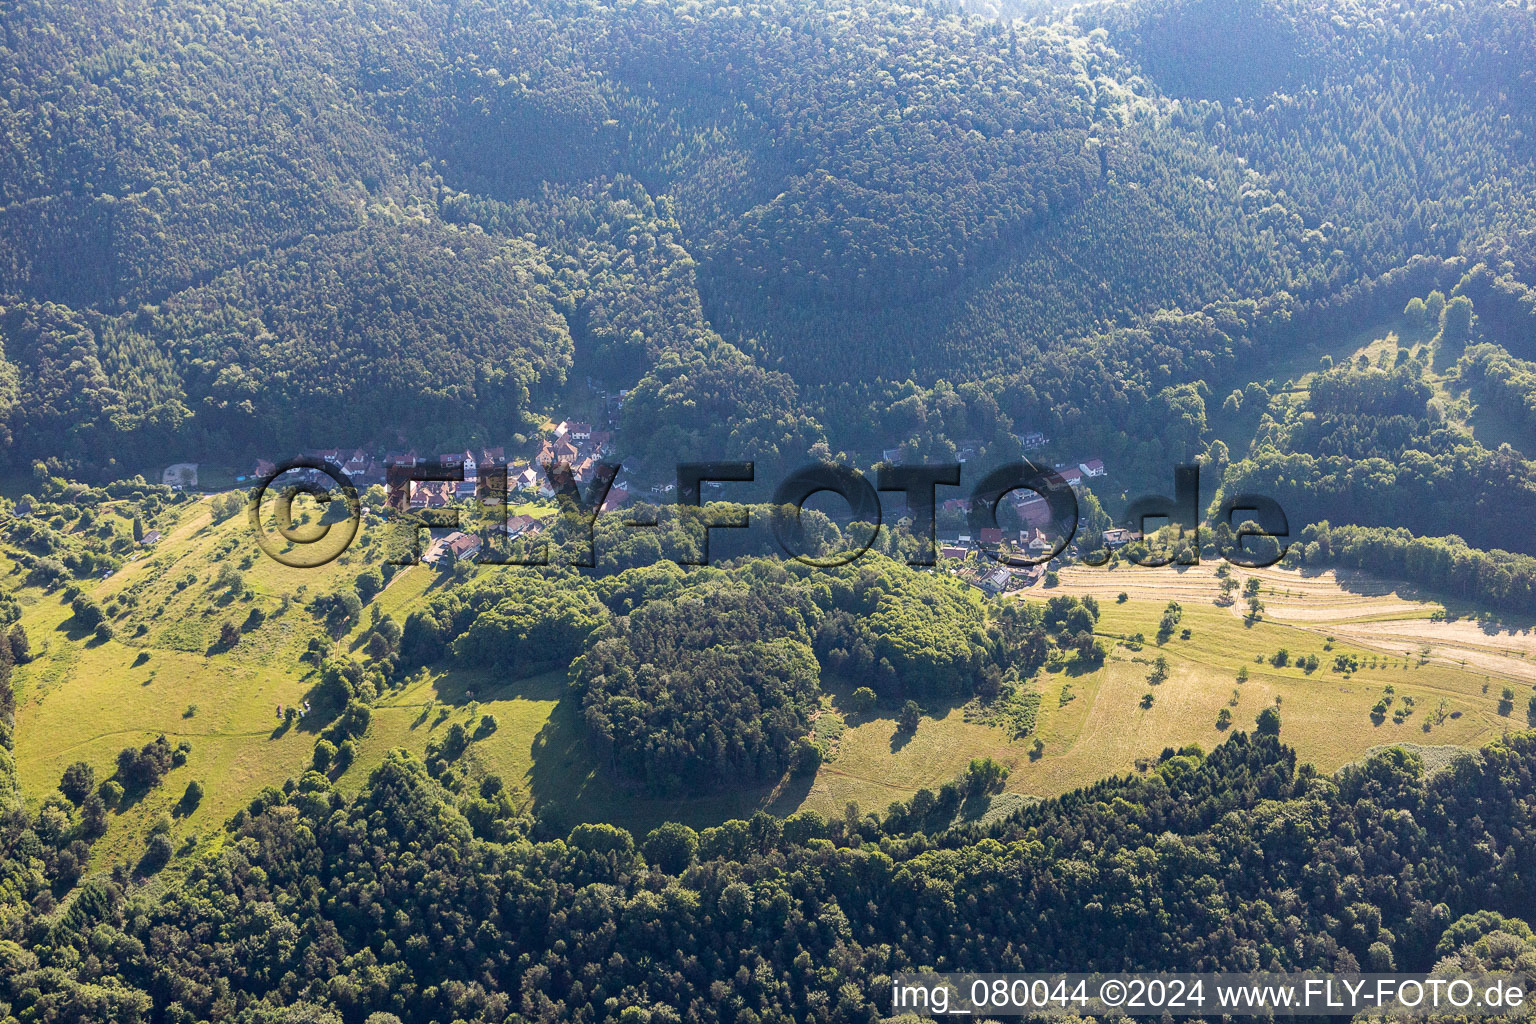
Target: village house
(1092, 468)
(559, 450)
(526, 478)
(432, 493)
(1034, 510)
(1035, 543)
(1032, 439)
(524, 526)
(460, 545)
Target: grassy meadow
(165, 670)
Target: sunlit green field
(165, 671)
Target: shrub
(78, 781)
(984, 775)
(807, 756)
(325, 753)
(863, 701)
(156, 855)
(86, 612)
(145, 767)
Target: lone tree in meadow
(78, 782)
(911, 713)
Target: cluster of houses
(965, 451)
(1031, 507)
(1030, 542)
(581, 447)
(573, 443)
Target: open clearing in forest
(165, 672)
(1093, 725)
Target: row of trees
(1489, 578)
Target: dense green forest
(227, 230)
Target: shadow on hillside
(74, 630)
(1363, 583)
(1076, 667)
(568, 783)
(322, 711)
(539, 682)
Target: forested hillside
(251, 226)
